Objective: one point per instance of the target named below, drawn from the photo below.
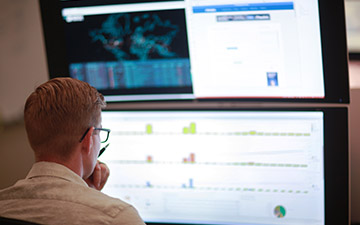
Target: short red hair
(58, 112)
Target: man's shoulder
(57, 190)
(64, 198)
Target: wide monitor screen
(230, 166)
(201, 49)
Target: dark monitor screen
(242, 167)
(281, 50)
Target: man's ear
(87, 142)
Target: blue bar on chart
(148, 184)
(191, 183)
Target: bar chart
(204, 166)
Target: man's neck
(74, 162)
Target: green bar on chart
(192, 128)
(149, 129)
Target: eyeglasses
(104, 134)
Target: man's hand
(99, 177)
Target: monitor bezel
(334, 53)
(336, 155)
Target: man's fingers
(97, 176)
(105, 172)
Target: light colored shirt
(53, 194)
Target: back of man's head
(57, 114)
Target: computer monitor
(280, 166)
(274, 50)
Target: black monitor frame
(336, 157)
(334, 51)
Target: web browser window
(262, 49)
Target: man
(63, 124)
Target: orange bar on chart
(192, 158)
(149, 159)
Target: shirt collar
(51, 169)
